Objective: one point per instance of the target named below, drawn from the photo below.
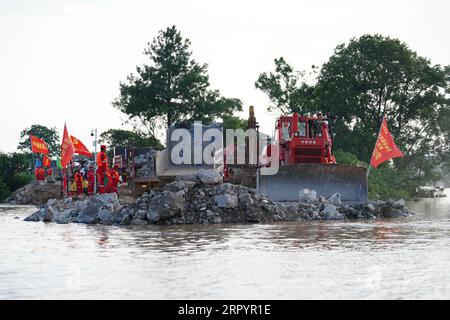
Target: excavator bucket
(350, 182)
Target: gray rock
(307, 195)
(226, 200)
(153, 216)
(330, 211)
(187, 177)
(400, 203)
(34, 217)
(371, 207)
(227, 188)
(51, 202)
(65, 216)
(88, 217)
(335, 199)
(253, 215)
(139, 215)
(49, 213)
(81, 205)
(165, 206)
(209, 176)
(176, 186)
(126, 220)
(37, 193)
(245, 200)
(105, 214)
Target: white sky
(63, 60)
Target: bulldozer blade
(326, 180)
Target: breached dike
(202, 198)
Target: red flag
(38, 145)
(80, 148)
(385, 148)
(46, 162)
(67, 148)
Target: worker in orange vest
(115, 179)
(79, 182)
(40, 174)
(102, 171)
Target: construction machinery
(306, 161)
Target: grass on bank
(385, 182)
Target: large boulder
(330, 212)
(36, 193)
(209, 176)
(307, 195)
(335, 199)
(226, 201)
(165, 206)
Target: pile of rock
(145, 165)
(36, 193)
(203, 198)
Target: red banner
(80, 148)
(38, 145)
(385, 148)
(67, 148)
(46, 162)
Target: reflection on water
(399, 258)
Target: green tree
(15, 170)
(287, 89)
(172, 87)
(49, 135)
(374, 76)
(128, 139)
(4, 191)
(233, 122)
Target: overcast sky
(62, 60)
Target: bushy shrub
(4, 191)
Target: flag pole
(33, 162)
(370, 160)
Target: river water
(382, 259)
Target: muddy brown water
(406, 258)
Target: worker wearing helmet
(103, 170)
(115, 179)
(78, 180)
(318, 125)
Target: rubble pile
(145, 165)
(203, 198)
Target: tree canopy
(374, 76)
(125, 138)
(287, 89)
(49, 135)
(233, 122)
(172, 87)
(15, 172)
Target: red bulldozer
(306, 160)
